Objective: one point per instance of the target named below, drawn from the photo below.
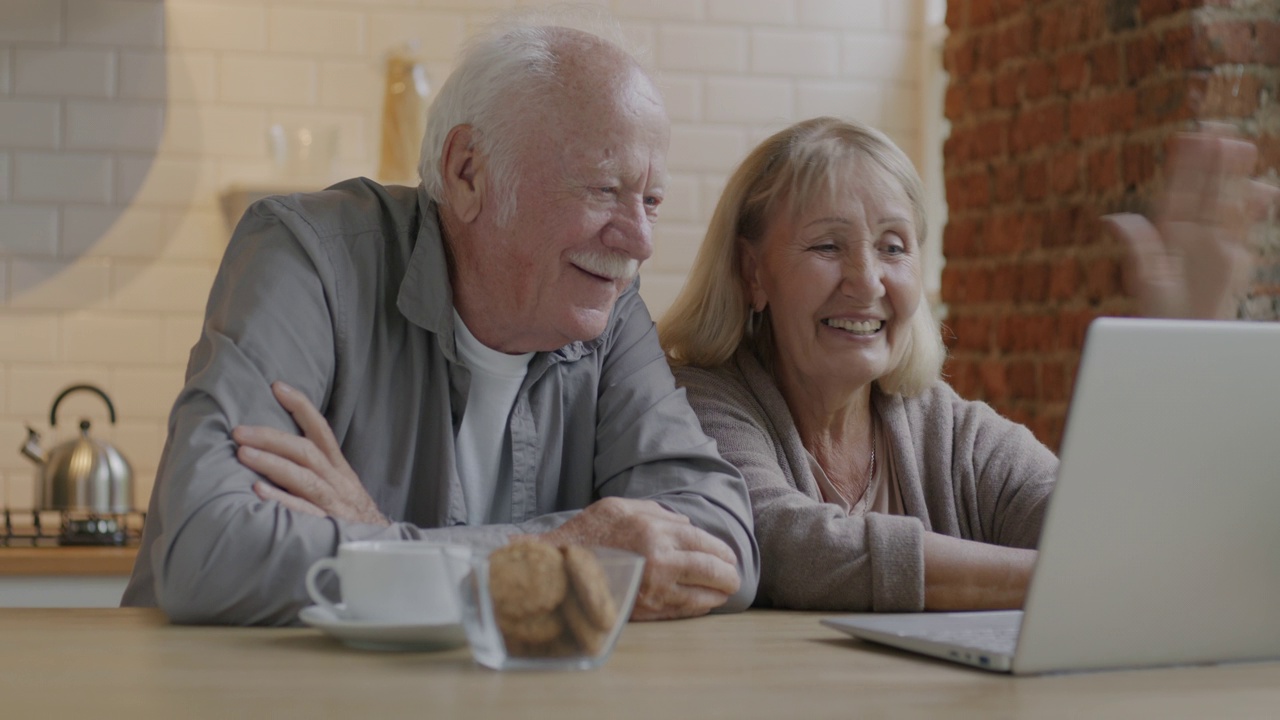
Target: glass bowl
(494, 635)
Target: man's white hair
(503, 73)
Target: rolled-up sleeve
(650, 445)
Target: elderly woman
(808, 350)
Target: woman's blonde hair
(709, 319)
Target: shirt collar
(426, 295)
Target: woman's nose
(863, 278)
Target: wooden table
(760, 664)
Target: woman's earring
(755, 319)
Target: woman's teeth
(857, 327)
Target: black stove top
(31, 528)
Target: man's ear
(462, 167)
(750, 269)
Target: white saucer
(366, 635)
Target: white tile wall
(105, 231)
(680, 203)
(676, 247)
(30, 230)
(749, 100)
(173, 76)
(701, 48)
(119, 125)
(880, 57)
(351, 85)
(195, 234)
(64, 72)
(159, 287)
(801, 53)
(213, 26)
(120, 23)
(121, 121)
(63, 177)
(29, 123)
(252, 79)
(317, 31)
(96, 337)
(706, 147)
(29, 338)
(4, 71)
(909, 18)
(887, 109)
(178, 335)
(151, 393)
(668, 10)
(33, 388)
(168, 182)
(683, 96)
(438, 34)
(860, 14)
(200, 130)
(30, 21)
(752, 12)
(58, 285)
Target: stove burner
(28, 529)
(92, 530)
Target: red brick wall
(1060, 111)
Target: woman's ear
(750, 269)
(462, 167)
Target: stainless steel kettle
(82, 475)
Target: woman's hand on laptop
(968, 575)
(1195, 260)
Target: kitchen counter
(129, 663)
(63, 561)
(64, 576)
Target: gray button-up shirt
(344, 294)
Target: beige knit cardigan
(963, 470)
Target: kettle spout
(31, 448)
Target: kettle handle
(53, 413)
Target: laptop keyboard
(992, 638)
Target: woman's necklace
(871, 471)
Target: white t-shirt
(482, 438)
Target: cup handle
(313, 590)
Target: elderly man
(466, 360)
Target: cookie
(590, 636)
(526, 578)
(533, 629)
(589, 583)
(558, 647)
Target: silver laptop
(1162, 540)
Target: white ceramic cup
(394, 582)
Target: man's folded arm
(222, 554)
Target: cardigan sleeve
(996, 476)
(813, 555)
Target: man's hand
(1195, 261)
(309, 473)
(687, 571)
